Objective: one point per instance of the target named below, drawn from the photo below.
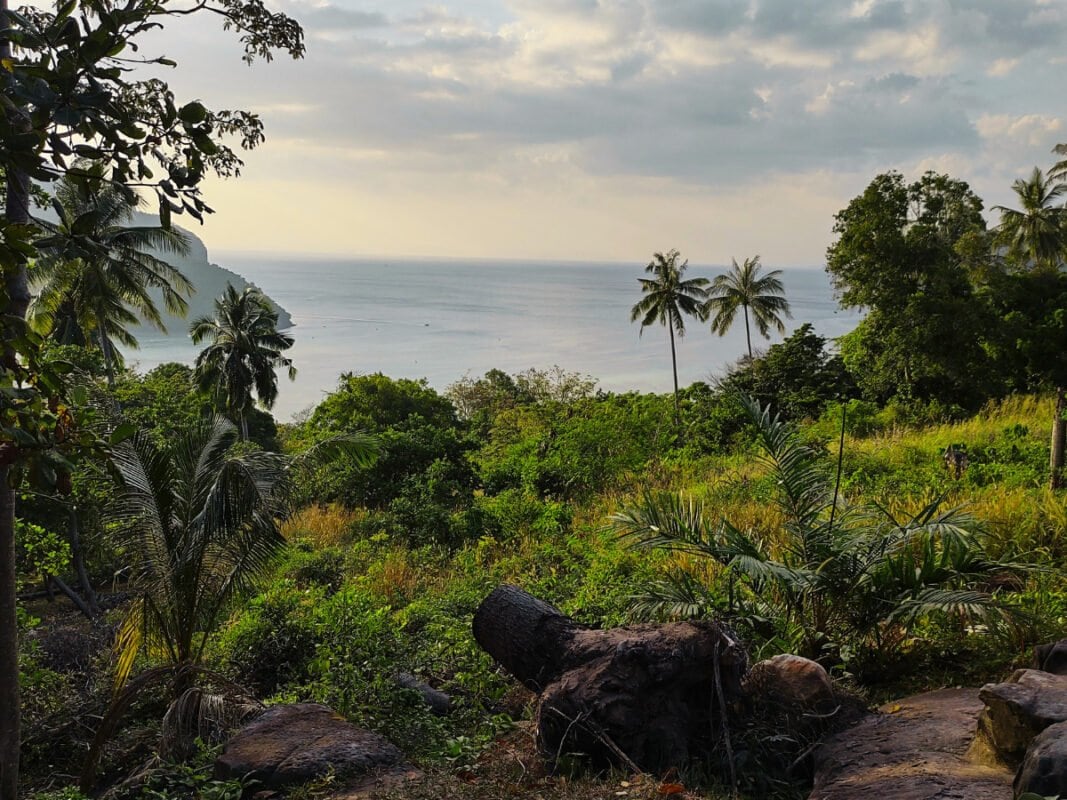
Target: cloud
(695, 95)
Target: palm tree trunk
(109, 365)
(17, 210)
(244, 427)
(674, 365)
(1059, 441)
(748, 334)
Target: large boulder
(794, 683)
(293, 744)
(1017, 710)
(1044, 769)
(1052, 657)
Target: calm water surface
(442, 320)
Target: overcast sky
(607, 129)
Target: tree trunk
(524, 634)
(77, 555)
(1059, 441)
(9, 647)
(74, 597)
(748, 334)
(244, 427)
(640, 696)
(17, 211)
(674, 366)
(109, 363)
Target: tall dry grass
(322, 525)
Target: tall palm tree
(744, 287)
(95, 278)
(667, 299)
(244, 351)
(1036, 233)
(1058, 171)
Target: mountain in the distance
(209, 279)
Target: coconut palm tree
(744, 287)
(667, 299)
(1058, 171)
(244, 351)
(1035, 234)
(95, 278)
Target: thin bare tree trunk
(78, 557)
(1059, 442)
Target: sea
(444, 319)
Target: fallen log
(639, 696)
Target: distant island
(209, 279)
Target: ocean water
(444, 319)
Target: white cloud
(1001, 67)
(540, 102)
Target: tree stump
(645, 697)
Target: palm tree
(244, 351)
(1058, 171)
(94, 278)
(1036, 236)
(1036, 233)
(744, 287)
(667, 298)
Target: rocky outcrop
(916, 749)
(1017, 710)
(1052, 657)
(1044, 768)
(293, 744)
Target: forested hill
(210, 280)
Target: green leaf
(122, 432)
(192, 113)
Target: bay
(442, 319)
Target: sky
(610, 129)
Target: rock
(916, 749)
(1052, 657)
(1044, 769)
(794, 682)
(1018, 710)
(292, 744)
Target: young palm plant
(838, 578)
(200, 523)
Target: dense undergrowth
(384, 567)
